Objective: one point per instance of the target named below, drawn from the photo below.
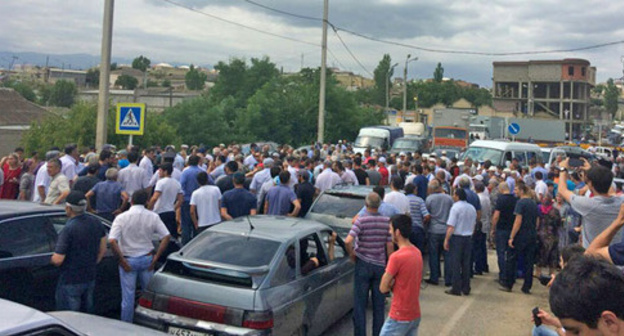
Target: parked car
(336, 207)
(21, 320)
(28, 234)
(248, 277)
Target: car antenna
(250, 225)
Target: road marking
(448, 327)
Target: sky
(165, 32)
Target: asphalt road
(486, 311)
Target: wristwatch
(562, 169)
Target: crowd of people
(453, 211)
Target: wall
(156, 102)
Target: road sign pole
(130, 140)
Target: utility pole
(321, 117)
(407, 60)
(107, 41)
(388, 74)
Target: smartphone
(536, 319)
(575, 162)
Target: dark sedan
(28, 234)
(261, 275)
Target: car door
(342, 271)
(26, 274)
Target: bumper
(162, 321)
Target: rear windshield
(231, 249)
(338, 205)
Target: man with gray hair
(439, 206)
(59, 184)
(81, 245)
(371, 237)
(42, 179)
(465, 174)
(110, 197)
(262, 176)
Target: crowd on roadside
(531, 215)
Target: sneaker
(450, 292)
(431, 282)
(504, 288)
(526, 291)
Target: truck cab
(375, 137)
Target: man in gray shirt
(439, 206)
(373, 175)
(599, 211)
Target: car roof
(10, 208)
(352, 190)
(501, 145)
(17, 318)
(277, 228)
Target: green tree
(77, 125)
(127, 82)
(113, 66)
(63, 93)
(93, 77)
(195, 79)
(611, 96)
(382, 74)
(141, 63)
(23, 89)
(166, 83)
(198, 121)
(230, 80)
(438, 73)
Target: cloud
(164, 32)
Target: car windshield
(449, 153)
(338, 205)
(369, 141)
(413, 144)
(232, 249)
(450, 133)
(481, 154)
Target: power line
(239, 24)
(337, 60)
(351, 53)
(440, 51)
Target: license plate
(185, 332)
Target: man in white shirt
(167, 199)
(42, 179)
(130, 238)
(396, 197)
(466, 174)
(327, 179)
(205, 204)
(59, 184)
(133, 178)
(70, 162)
(147, 162)
(541, 189)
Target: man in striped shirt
(370, 234)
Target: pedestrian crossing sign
(130, 119)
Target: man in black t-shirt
(80, 247)
(502, 222)
(305, 191)
(360, 173)
(239, 201)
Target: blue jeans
(400, 328)
(140, 266)
(367, 279)
(479, 252)
(188, 230)
(417, 237)
(501, 239)
(436, 249)
(75, 297)
(543, 331)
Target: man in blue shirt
(188, 181)
(280, 197)
(421, 182)
(110, 199)
(239, 201)
(458, 242)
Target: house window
(583, 71)
(570, 71)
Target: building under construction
(550, 89)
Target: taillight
(196, 310)
(258, 319)
(146, 299)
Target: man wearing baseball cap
(79, 248)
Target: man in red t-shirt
(403, 276)
(385, 175)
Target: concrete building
(16, 116)
(550, 89)
(351, 81)
(77, 76)
(156, 99)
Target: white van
(500, 153)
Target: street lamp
(407, 60)
(388, 74)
